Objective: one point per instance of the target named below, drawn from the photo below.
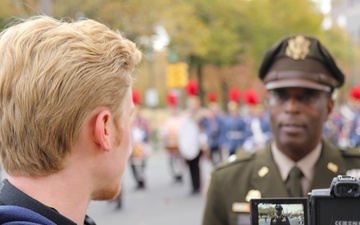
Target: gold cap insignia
(298, 48)
(243, 207)
(252, 194)
(263, 171)
(332, 167)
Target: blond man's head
(52, 73)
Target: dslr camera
(337, 205)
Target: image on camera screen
(279, 211)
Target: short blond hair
(52, 74)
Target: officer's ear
(330, 106)
(266, 99)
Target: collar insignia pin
(263, 171)
(332, 167)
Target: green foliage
(221, 19)
(235, 31)
(217, 32)
(267, 21)
(14, 9)
(136, 18)
(188, 34)
(202, 30)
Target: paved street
(162, 203)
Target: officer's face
(297, 116)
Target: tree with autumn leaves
(201, 32)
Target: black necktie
(293, 182)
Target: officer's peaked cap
(300, 61)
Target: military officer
(300, 76)
(279, 218)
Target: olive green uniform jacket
(257, 175)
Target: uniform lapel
(329, 165)
(266, 177)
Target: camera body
(336, 205)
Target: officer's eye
(278, 96)
(308, 96)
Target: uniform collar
(306, 164)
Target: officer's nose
(292, 105)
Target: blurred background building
(346, 14)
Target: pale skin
(94, 169)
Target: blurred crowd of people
(343, 126)
(195, 132)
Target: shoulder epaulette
(239, 157)
(351, 152)
(242, 155)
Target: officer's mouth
(292, 128)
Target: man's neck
(56, 191)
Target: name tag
(241, 207)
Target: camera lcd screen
(279, 211)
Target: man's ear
(102, 130)
(330, 106)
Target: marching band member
(235, 127)
(214, 129)
(190, 136)
(169, 137)
(140, 137)
(257, 123)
